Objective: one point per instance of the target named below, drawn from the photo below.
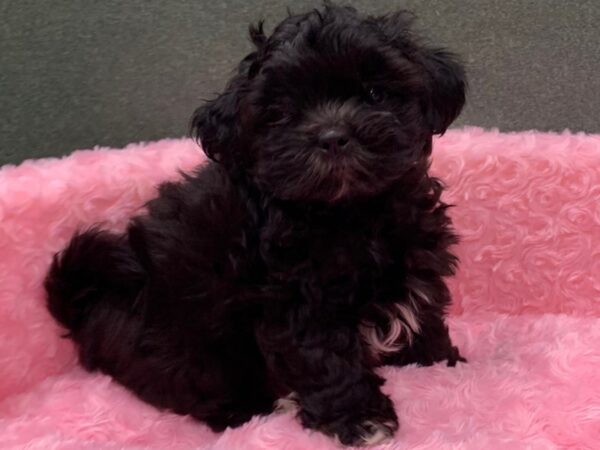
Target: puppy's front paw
(365, 433)
(373, 432)
(366, 425)
(454, 356)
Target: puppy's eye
(376, 94)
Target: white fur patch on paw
(368, 433)
(376, 433)
(286, 404)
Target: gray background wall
(74, 74)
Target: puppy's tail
(96, 268)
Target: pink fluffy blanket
(526, 313)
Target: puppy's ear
(446, 82)
(218, 124)
(447, 86)
(215, 126)
(257, 34)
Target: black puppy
(312, 249)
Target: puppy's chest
(332, 256)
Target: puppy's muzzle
(334, 139)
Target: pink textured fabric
(526, 313)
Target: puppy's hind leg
(91, 290)
(237, 387)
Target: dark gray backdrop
(74, 74)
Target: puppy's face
(332, 107)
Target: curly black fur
(311, 250)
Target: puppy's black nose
(333, 139)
